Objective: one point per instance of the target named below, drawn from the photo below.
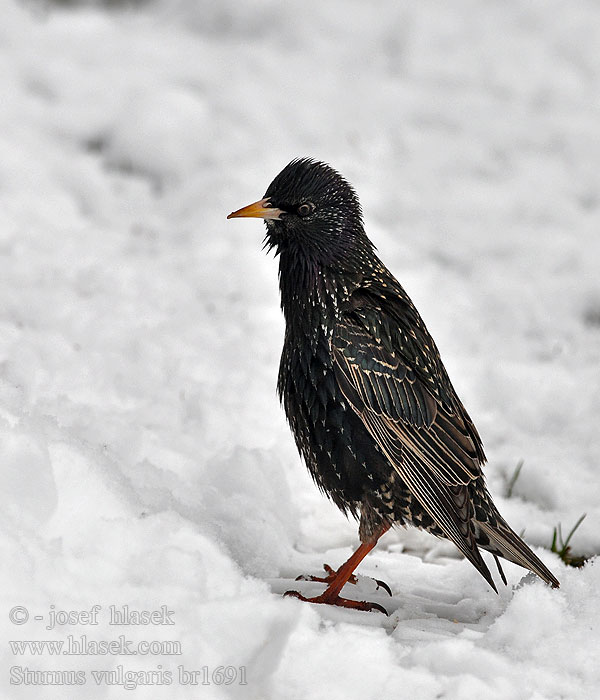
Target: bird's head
(311, 211)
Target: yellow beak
(258, 210)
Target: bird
(370, 404)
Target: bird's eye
(305, 209)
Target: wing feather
(448, 507)
(393, 392)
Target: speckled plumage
(369, 402)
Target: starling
(372, 409)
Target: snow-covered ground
(145, 459)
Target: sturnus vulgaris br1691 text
(368, 399)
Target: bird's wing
(387, 383)
(426, 441)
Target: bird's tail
(504, 542)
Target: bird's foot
(331, 574)
(326, 599)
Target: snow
(145, 459)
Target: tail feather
(500, 570)
(506, 543)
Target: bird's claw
(383, 584)
(331, 575)
(337, 601)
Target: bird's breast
(328, 433)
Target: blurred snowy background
(145, 459)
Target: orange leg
(338, 579)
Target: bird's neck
(311, 296)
